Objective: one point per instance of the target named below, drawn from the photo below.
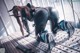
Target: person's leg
(40, 20)
(54, 22)
(26, 25)
(24, 20)
(18, 20)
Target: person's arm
(17, 15)
(10, 10)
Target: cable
(63, 9)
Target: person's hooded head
(29, 5)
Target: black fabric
(63, 25)
(23, 13)
(29, 5)
(66, 26)
(44, 36)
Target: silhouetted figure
(15, 10)
(24, 16)
(41, 16)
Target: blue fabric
(44, 36)
(63, 25)
(42, 16)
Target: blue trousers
(41, 17)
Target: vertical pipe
(37, 2)
(21, 2)
(73, 12)
(42, 3)
(48, 2)
(13, 2)
(31, 2)
(54, 4)
(63, 9)
(3, 25)
(9, 15)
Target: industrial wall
(68, 10)
(6, 21)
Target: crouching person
(41, 16)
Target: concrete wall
(6, 19)
(2, 29)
